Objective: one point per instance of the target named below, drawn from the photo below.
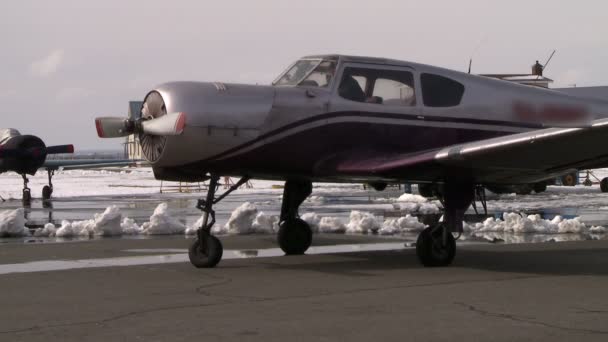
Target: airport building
(535, 78)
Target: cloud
(47, 65)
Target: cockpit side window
(379, 86)
(440, 91)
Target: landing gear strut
(206, 250)
(295, 235)
(27, 195)
(47, 191)
(436, 246)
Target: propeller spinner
(166, 125)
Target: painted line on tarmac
(61, 265)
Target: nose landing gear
(206, 250)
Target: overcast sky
(64, 62)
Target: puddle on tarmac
(59, 265)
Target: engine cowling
(28, 154)
(218, 117)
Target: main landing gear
(47, 191)
(436, 246)
(27, 194)
(295, 235)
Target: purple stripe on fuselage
(300, 153)
(372, 115)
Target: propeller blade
(60, 149)
(169, 124)
(114, 127)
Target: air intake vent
(153, 107)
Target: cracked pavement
(532, 292)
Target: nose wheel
(206, 250)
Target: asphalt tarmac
(525, 292)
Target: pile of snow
(363, 223)
(111, 223)
(516, 223)
(107, 223)
(400, 225)
(12, 223)
(246, 219)
(320, 224)
(412, 198)
(410, 203)
(161, 223)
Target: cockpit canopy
(308, 72)
(8, 133)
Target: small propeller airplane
(336, 118)
(26, 154)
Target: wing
(75, 164)
(518, 158)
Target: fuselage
(288, 131)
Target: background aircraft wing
(519, 158)
(75, 164)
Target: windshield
(297, 72)
(321, 76)
(308, 73)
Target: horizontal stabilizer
(60, 149)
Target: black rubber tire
(604, 184)
(47, 192)
(429, 249)
(207, 257)
(540, 187)
(294, 237)
(27, 197)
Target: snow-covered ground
(92, 203)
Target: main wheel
(430, 248)
(604, 184)
(27, 197)
(206, 255)
(46, 192)
(294, 237)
